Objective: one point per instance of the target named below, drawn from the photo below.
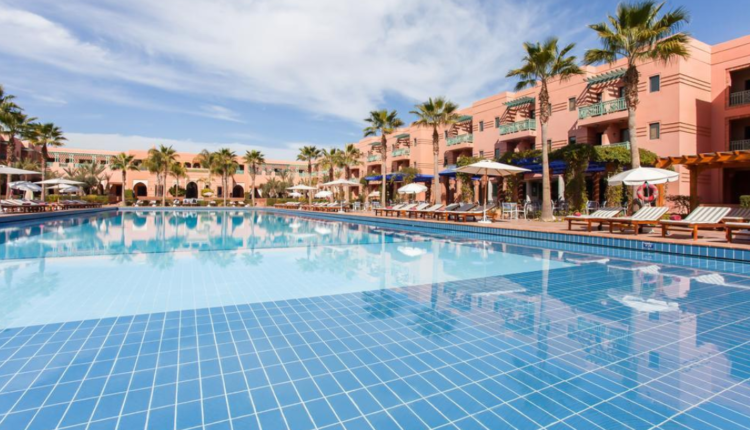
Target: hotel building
(694, 114)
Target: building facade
(694, 106)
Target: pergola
(701, 162)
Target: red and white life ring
(653, 193)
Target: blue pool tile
(297, 417)
(272, 420)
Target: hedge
(745, 201)
(90, 198)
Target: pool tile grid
(686, 249)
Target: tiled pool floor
(586, 346)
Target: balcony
(196, 170)
(403, 152)
(457, 140)
(625, 145)
(373, 158)
(602, 108)
(739, 145)
(739, 98)
(515, 127)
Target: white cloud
(119, 142)
(329, 57)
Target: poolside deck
(713, 238)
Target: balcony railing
(514, 127)
(739, 98)
(196, 169)
(625, 145)
(739, 145)
(374, 157)
(457, 140)
(239, 172)
(401, 152)
(602, 108)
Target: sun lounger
(736, 229)
(426, 211)
(738, 215)
(703, 217)
(645, 216)
(446, 215)
(476, 213)
(382, 211)
(588, 220)
(408, 212)
(436, 213)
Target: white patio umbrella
(303, 187)
(341, 183)
(374, 194)
(59, 181)
(28, 188)
(323, 194)
(5, 170)
(490, 168)
(413, 188)
(295, 194)
(643, 175)
(69, 189)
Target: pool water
(249, 319)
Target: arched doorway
(238, 192)
(191, 190)
(140, 190)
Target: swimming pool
(251, 319)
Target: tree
(13, 123)
(637, 33)
(309, 154)
(160, 160)
(253, 159)
(329, 160)
(385, 123)
(177, 171)
(44, 136)
(224, 163)
(436, 113)
(543, 62)
(350, 157)
(123, 162)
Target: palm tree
(436, 113)
(350, 157)
(13, 123)
(225, 163)
(329, 159)
(44, 136)
(177, 171)
(637, 33)
(253, 159)
(309, 154)
(385, 123)
(161, 161)
(543, 62)
(123, 162)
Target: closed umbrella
(490, 168)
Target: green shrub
(682, 203)
(129, 195)
(745, 201)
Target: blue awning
(557, 167)
(399, 177)
(450, 172)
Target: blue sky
(276, 74)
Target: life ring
(653, 193)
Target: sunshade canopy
(25, 186)
(5, 170)
(412, 188)
(302, 188)
(491, 168)
(642, 175)
(323, 194)
(59, 181)
(342, 182)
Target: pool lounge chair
(647, 216)
(426, 211)
(407, 212)
(382, 211)
(738, 215)
(465, 207)
(703, 217)
(476, 213)
(588, 220)
(396, 212)
(436, 213)
(733, 229)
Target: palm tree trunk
(44, 171)
(348, 175)
(436, 198)
(631, 101)
(252, 187)
(544, 119)
(383, 159)
(164, 187)
(124, 176)
(309, 177)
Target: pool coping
(686, 250)
(34, 216)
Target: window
(415, 141)
(446, 134)
(621, 92)
(571, 140)
(654, 84)
(572, 103)
(653, 131)
(497, 122)
(497, 153)
(481, 154)
(532, 114)
(624, 135)
(598, 97)
(481, 125)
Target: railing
(457, 140)
(739, 98)
(514, 127)
(239, 172)
(196, 169)
(625, 145)
(374, 157)
(602, 108)
(401, 152)
(739, 145)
